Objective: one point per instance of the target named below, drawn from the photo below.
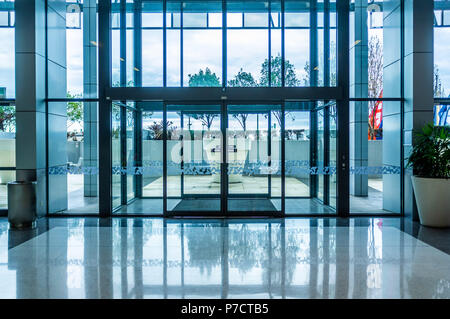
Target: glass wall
(7, 91)
(441, 48)
(7, 149)
(7, 50)
(375, 124)
(190, 43)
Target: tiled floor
(265, 258)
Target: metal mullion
(269, 28)
(182, 154)
(313, 47)
(326, 41)
(137, 19)
(224, 164)
(343, 176)
(165, 159)
(283, 159)
(224, 43)
(123, 154)
(282, 43)
(164, 43)
(313, 152)
(402, 104)
(181, 44)
(138, 152)
(104, 81)
(269, 152)
(326, 155)
(123, 44)
(123, 114)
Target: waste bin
(22, 204)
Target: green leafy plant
(430, 156)
(7, 118)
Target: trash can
(22, 204)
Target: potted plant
(430, 161)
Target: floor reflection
(158, 258)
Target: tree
(7, 117)
(204, 78)
(275, 74)
(375, 68)
(375, 85)
(74, 110)
(242, 119)
(207, 119)
(243, 79)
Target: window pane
(441, 49)
(202, 47)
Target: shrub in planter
(430, 161)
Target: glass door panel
(193, 158)
(116, 145)
(310, 158)
(130, 154)
(297, 148)
(332, 114)
(152, 157)
(320, 144)
(253, 158)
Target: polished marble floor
(224, 258)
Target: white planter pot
(433, 200)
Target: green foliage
(7, 118)
(430, 156)
(74, 110)
(289, 73)
(204, 78)
(242, 79)
(156, 130)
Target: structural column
(57, 111)
(90, 88)
(418, 82)
(33, 117)
(30, 97)
(359, 89)
(392, 88)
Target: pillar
(418, 82)
(90, 88)
(359, 89)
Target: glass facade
(262, 74)
(7, 96)
(231, 43)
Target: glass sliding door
(123, 154)
(194, 148)
(310, 158)
(297, 139)
(151, 159)
(130, 154)
(116, 146)
(253, 158)
(168, 158)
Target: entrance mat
(251, 205)
(206, 204)
(234, 205)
